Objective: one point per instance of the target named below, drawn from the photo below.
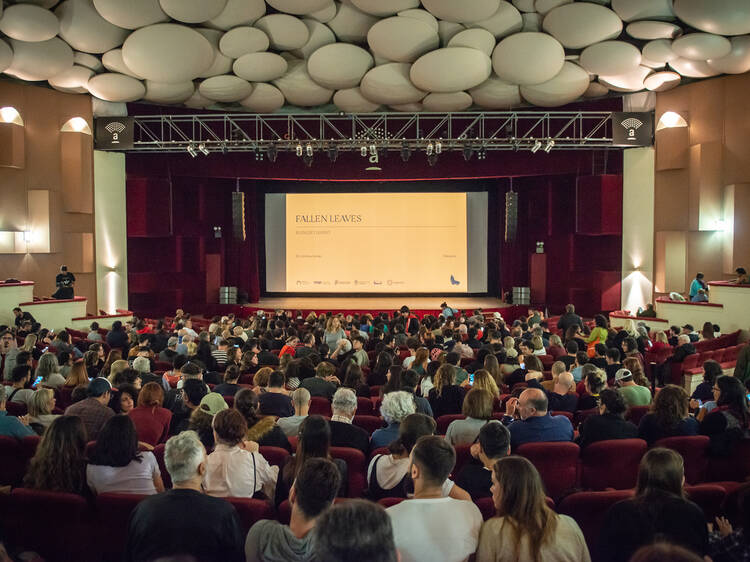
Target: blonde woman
(78, 375)
(49, 370)
(556, 349)
(538, 344)
(41, 406)
(333, 332)
(661, 342)
(117, 367)
(446, 397)
(510, 347)
(483, 381)
(29, 345)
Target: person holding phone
(65, 282)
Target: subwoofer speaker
(238, 215)
(511, 215)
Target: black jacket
(605, 427)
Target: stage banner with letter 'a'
(632, 129)
(113, 133)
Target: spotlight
(550, 144)
(468, 151)
(333, 152)
(373, 150)
(536, 147)
(191, 150)
(308, 160)
(438, 147)
(223, 149)
(272, 153)
(432, 159)
(405, 152)
(298, 150)
(430, 149)
(309, 149)
(482, 154)
(363, 151)
(203, 149)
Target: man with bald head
(562, 397)
(528, 420)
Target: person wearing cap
(93, 410)
(691, 333)
(633, 394)
(201, 420)
(170, 352)
(742, 276)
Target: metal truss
(476, 131)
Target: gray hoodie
(270, 541)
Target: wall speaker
(511, 215)
(238, 215)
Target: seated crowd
(207, 405)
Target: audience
(394, 409)
(493, 443)
(150, 419)
(59, 464)
(40, 409)
(610, 423)
(261, 429)
(116, 465)
(728, 544)
(343, 433)
(183, 523)
(202, 418)
(410, 383)
(668, 417)
(49, 371)
(534, 424)
(659, 509)
(446, 397)
(20, 378)
(322, 383)
(563, 397)
(301, 402)
(525, 528)
(431, 526)
(94, 410)
(728, 422)
(477, 408)
(594, 381)
(11, 426)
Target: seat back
(444, 421)
(557, 464)
(276, 456)
(463, 455)
(17, 409)
(251, 511)
(568, 415)
(12, 466)
(320, 406)
(635, 413)
(694, 452)
(159, 454)
(710, 498)
(388, 502)
(735, 467)
(229, 400)
(368, 423)
(113, 515)
(589, 508)
(357, 464)
(611, 464)
(364, 406)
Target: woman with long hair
(556, 349)
(421, 359)
(262, 430)
(446, 397)
(525, 528)
(333, 333)
(704, 391)
(112, 356)
(150, 418)
(634, 366)
(393, 382)
(483, 380)
(658, 509)
(40, 409)
(314, 442)
(668, 417)
(599, 333)
(354, 379)
(91, 363)
(127, 398)
(727, 423)
(78, 375)
(492, 366)
(248, 363)
(378, 375)
(29, 345)
(59, 464)
(49, 369)
(116, 465)
(661, 342)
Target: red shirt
(287, 349)
(152, 424)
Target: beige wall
(46, 186)
(702, 183)
(111, 231)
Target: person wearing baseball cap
(202, 418)
(633, 394)
(93, 410)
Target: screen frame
(435, 186)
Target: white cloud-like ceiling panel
(239, 12)
(6, 55)
(701, 46)
(505, 21)
(461, 12)
(74, 77)
(450, 70)
(27, 22)
(581, 24)
(351, 100)
(226, 89)
(650, 30)
(738, 60)
(319, 34)
(131, 14)
(454, 101)
(243, 40)
(116, 87)
(382, 8)
(162, 92)
(723, 17)
(528, 58)
(193, 11)
(479, 39)
(569, 84)
(297, 7)
(112, 61)
(299, 89)
(610, 57)
(421, 15)
(390, 84)
(351, 25)
(87, 60)
(260, 67)
(85, 30)
(339, 66)
(265, 98)
(633, 10)
(285, 32)
(401, 39)
(662, 81)
(495, 93)
(39, 60)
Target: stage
(418, 305)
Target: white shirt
(390, 471)
(438, 530)
(23, 396)
(134, 478)
(426, 386)
(236, 473)
(408, 361)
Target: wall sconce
(27, 237)
(720, 225)
(76, 125)
(10, 115)
(670, 120)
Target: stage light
(432, 159)
(298, 150)
(430, 148)
(203, 149)
(482, 154)
(308, 160)
(272, 153)
(333, 152)
(373, 150)
(363, 151)
(191, 150)
(223, 149)
(468, 151)
(550, 144)
(438, 147)
(309, 149)
(405, 152)
(536, 147)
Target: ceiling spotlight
(373, 150)
(405, 152)
(536, 147)
(203, 149)
(298, 150)
(363, 151)
(432, 159)
(309, 149)
(550, 144)
(308, 160)
(438, 147)
(430, 149)
(333, 152)
(272, 153)
(191, 150)
(482, 154)
(468, 151)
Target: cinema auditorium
(374, 280)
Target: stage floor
(376, 303)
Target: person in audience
(633, 394)
(94, 334)
(168, 354)
(192, 393)
(728, 422)
(49, 369)
(483, 380)
(568, 319)
(312, 494)
(202, 418)
(742, 368)
(116, 465)
(612, 358)
(12, 426)
(668, 416)
(395, 407)
(510, 347)
(594, 381)
(275, 401)
(446, 397)
(322, 384)
(235, 468)
(742, 276)
(555, 349)
(343, 433)
(112, 356)
(261, 429)
(704, 391)
(393, 380)
(126, 399)
(150, 418)
(727, 544)
(409, 383)
(117, 338)
(355, 380)
(431, 526)
(40, 410)
(525, 528)
(92, 363)
(184, 523)
(229, 387)
(477, 408)
(610, 423)
(94, 410)
(314, 442)
(569, 358)
(378, 375)
(355, 530)
(8, 353)
(563, 397)
(360, 355)
(534, 424)
(663, 551)
(582, 359)
(659, 509)
(697, 284)
(120, 372)
(333, 333)
(634, 366)
(493, 443)
(142, 364)
(301, 402)
(260, 379)
(20, 378)
(77, 376)
(59, 464)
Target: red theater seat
(611, 464)
(229, 400)
(276, 456)
(357, 464)
(635, 413)
(709, 497)
(16, 409)
(734, 468)
(463, 455)
(113, 514)
(557, 464)
(388, 502)
(694, 452)
(12, 465)
(320, 406)
(364, 406)
(444, 421)
(251, 511)
(589, 508)
(159, 454)
(368, 423)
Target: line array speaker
(238, 215)
(511, 215)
